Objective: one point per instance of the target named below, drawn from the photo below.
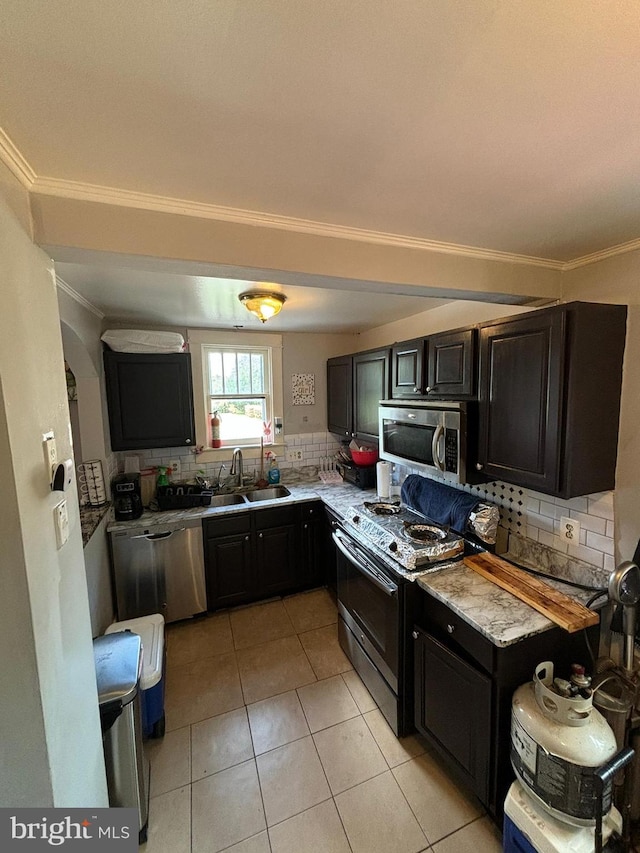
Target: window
(239, 375)
(239, 389)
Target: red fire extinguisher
(216, 441)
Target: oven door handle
(377, 578)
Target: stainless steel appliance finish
(430, 437)
(159, 570)
(405, 535)
(118, 661)
(374, 607)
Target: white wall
(51, 745)
(305, 353)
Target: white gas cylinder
(557, 743)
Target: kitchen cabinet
(313, 543)
(355, 385)
(440, 367)
(340, 396)
(550, 385)
(463, 690)
(408, 369)
(259, 553)
(149, 399)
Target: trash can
(118, 661)
(150, 629)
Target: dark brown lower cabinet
(256, 554)
(463, 690)
(454, 708)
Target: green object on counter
(162, 480)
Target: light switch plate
(61, 523)
(570, 530)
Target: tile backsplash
(315, 448)
(530, 529)
(529, 521)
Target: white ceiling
(507, 126)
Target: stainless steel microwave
(428, 436)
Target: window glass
(239, 383)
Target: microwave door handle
(375, 578)
(437, 435)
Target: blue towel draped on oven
(439, 502)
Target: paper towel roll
(383, 479)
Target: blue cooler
(528, 828)
(150, 629)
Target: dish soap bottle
(273, 474)
(162, 480)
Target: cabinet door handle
(415, 635)
(246, 538)
(305, 527)
(450, 628)
(416, 390)
(479, 466)
(187, 441)
(260, 535)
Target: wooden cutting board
(564, 611)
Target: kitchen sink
(225, 500)
(269, 494)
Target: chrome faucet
(222, 468)
(236, 465)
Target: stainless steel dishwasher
(159, 569)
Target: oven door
(369, 603)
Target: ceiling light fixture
(263, 305)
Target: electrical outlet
(294, 456)
(61, 523)
(174, 468)
(570, 530)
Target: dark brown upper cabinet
(355, 386)
(550, 385)
(370, 385)
(452, 362)
(438, 367)
(340, 396)
(408, 369)
(150, 400)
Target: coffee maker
(127, 500)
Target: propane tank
(216, 441)
(558, 741)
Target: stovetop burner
(424, 533)
(382, 508)
(410, 539)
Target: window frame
(200, 341)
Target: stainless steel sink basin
(269, 494)
(225, 500)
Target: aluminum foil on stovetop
(387, 532)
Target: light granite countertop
(499, 616)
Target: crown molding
(15, 162)
(146, 201)
(62, 284)
(586, 260)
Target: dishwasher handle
(154, 537)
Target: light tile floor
(274, 745)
